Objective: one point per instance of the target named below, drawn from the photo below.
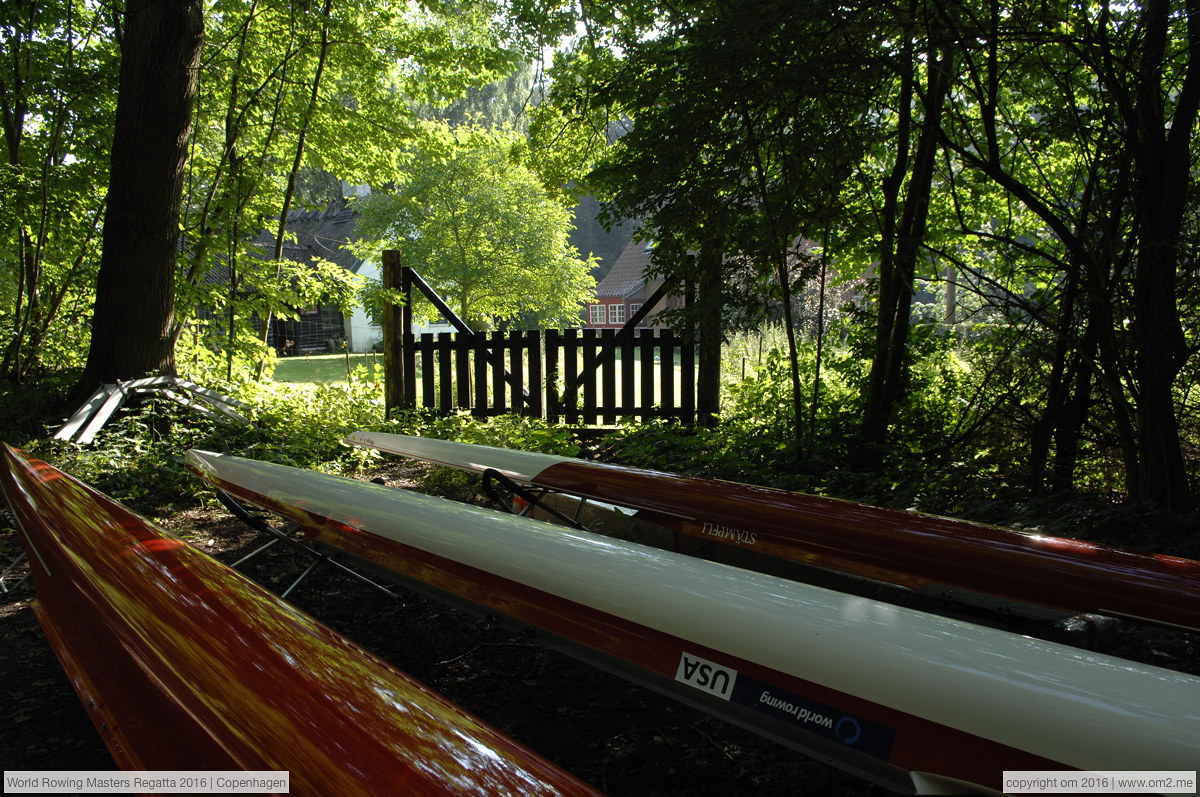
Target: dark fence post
(570, 361)
(533, 340)
(425, 347)
(478, 343)
(646, 343)
(590, 345)
(608, 375)
(628, 374)
(687, 381)
(462, 367)
(553, 400)
(393, 332)
(408, 398)
(499, 402)
(666, 371)
(444, 347)
(516, 369)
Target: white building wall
(362, 334)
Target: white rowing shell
(1001, 569)
(930, 693)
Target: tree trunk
(393, 332)
(901, 242)
(1058, 391)
(1070, 426)
(816, 393)
(1164, 160)
(135, 290)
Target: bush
(138, 456)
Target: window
(616, 314)
(597, 313)
(633, 309)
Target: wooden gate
(582, 377)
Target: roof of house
(319, 233)
(628, 273)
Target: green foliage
(284, 90)
(504, 431)
(57, 103)
(288, 90)
(201, 359)
(138, 456)
(373, 297)
(745, 126)
(325, 367)
(451, 483)
(26, 411)
(934, 462)
(303, 425)
(478, 227)
(499, 104)
(764, 454)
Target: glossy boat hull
(901, 697)
(184, 664)
(999, 569)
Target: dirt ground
(621, 738)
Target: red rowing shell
(184, 664)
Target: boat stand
(492, 477)
(15, 563)
(258, 524)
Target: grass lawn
(320, 368)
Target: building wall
(609, 318)
(361, 333)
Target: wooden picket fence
(581, 377)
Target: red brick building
(624, 290)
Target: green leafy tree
(58, 85)
(478, 226)
(280, 87)
(1092, 133)
(500, 103)
(289, 88)
(923, 65)
(745, 121)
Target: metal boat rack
(277, 536)
(531, 496)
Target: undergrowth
(138, 456)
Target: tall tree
(745, 119)
(289, 87)
(479, 227)
(1166, 102)
(131, 326)
(907, 191)
(58, 78)
(1092, 132)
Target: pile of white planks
(95, 412)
